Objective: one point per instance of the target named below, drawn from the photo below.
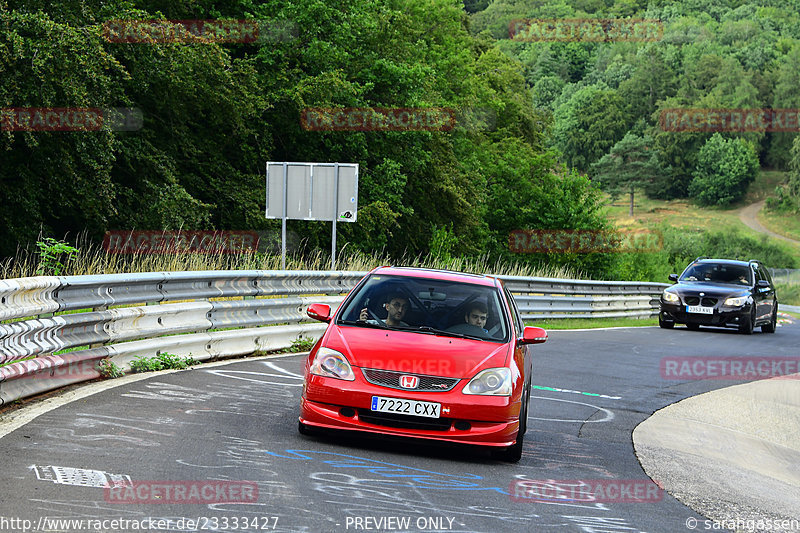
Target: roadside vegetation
(592, 323)
(548, 133)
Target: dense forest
(556, 123)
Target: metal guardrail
(785, 275)
(217, 314)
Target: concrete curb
(730, 454)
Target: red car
(423, 353)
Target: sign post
(312, 191)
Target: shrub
(724, 170)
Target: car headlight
(737, 301)
(491, 382)
(332, 364)
(670, 297)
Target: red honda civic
(423, 353)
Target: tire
(513, 453)
(692, 326)
(773, 322)
(303, 429)
(665, 324)
(748, 322)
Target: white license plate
(700, 309)
(405, 407)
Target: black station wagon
(721, 293)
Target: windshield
(718, 273)
(427, 306)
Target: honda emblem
(409, 382)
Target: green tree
(631, 164)
(588, 125)
(786, 96)
(725, 167)
(787, 195)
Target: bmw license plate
(405, 407)
(700, 309)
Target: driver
(396, 306)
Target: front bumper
(333, 404)
(724, 316)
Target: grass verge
(593, 323)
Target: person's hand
(364, 315)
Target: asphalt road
(232, 429)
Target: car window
(429, 304)
(718, 273)
(515, 310)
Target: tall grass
(93, 259)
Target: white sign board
(311, 191)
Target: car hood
(415, 353)
(710, 289)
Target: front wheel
(513, 453)
(748, 323)
(304, 429)
(665, 324)
(773, 322)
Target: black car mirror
(763, 283)
(673, 277)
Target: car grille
(391, 379)
(695, 300)
(404, 421)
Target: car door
(762, 295)
(770, 300)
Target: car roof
(444, 275)
(725, 261)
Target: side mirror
(763, 284)
(532, 335)
(321, 312)
(673, 277)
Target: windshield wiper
(363, 323)
(428, 329)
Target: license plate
(700, 309)
(405, 407)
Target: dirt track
(748, 215)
